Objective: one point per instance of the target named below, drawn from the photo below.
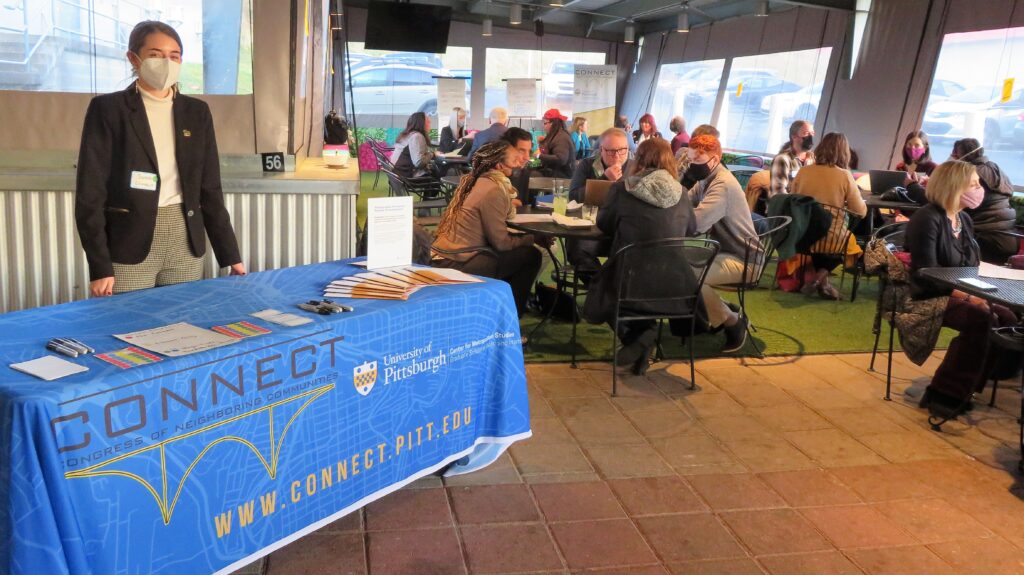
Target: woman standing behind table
(993, 213)
(829, 181)
(411, 155)
(452, 134)
(476, 217)
(941, 235)
(557, 152)
(580, 139)
(148, 188)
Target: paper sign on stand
(522, 97)
(389, 232)
(451, 93)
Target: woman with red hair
(648, 129)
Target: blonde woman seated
(476, 217)
(941, 234)
(829, 181)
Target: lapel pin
(186, 133)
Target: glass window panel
(389, 86)
(688, 90)
(553, 69)
(766, 93)
(965, 100)
(369, 78)
(73, 46)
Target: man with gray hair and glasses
(611, 163)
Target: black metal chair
(1010, 339)
(743, 175)
(890, 299)
(427, 190)
(378, 149)
(749, 160)
(639, 295)
(892, 235)
(995, 382)
(755, 259)
(835, 243)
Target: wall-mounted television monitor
(406, 27)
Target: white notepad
(281, 318)
(49, 367)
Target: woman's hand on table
(970, 299)
(238, 269)
(102, 287)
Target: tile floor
(784, 466)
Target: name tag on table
(144, 181)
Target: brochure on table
(389, 232)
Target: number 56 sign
(273, 162)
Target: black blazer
(448, 142)
(929, 239)
(116, 222)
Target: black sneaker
(735, 336)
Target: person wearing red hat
(557, 152)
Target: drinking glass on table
(589, 213)
(561, 199)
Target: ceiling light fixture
(683, 21)
(515, 14)
(762, 8)
(556, 3)
(487, 27)
(629, 35)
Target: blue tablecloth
(203, 463)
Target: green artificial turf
(787, 323)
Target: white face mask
(160, 73)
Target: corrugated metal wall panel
(42, 261)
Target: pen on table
(61, 349)
(82, 345)
(71, 344)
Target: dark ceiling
(607, 19)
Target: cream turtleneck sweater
(161, 124)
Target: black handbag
(335, 129)
(897, 194)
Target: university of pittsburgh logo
(364, 376)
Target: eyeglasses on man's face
(616, 151)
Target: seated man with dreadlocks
(476, 217)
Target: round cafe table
(563, 269)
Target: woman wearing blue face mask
(148, 189)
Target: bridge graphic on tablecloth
(161, 494)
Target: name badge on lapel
(144, 181)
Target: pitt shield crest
(364, 376)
